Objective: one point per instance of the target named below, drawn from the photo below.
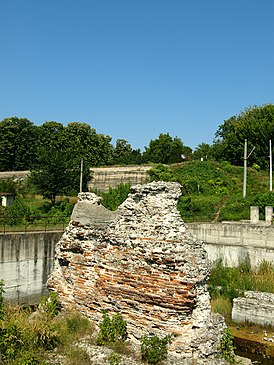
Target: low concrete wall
(26, 261)
(235, 241)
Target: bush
(154, 349)
(115, 197)
(2, 306)
(162, 173)
(111, 330)
(51, 305)
(226, 347)
(114, 359)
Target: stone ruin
(140, 261)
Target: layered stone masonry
(143, 263)
(254, 307)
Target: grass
(28, 336)
(227, 283)
(213, 191)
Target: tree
(122, 152)
(18, 144)
(83, 141)
(56, 173)
(166, 149)
(256, 124)
(52, 135)
(203, 151)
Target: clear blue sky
(133, 69)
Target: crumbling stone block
(254, 307)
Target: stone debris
(142, 262)
(254, 307)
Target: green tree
(166, 150)
(122, 152)
(203, 151)
(52, 135)
(18, 144)
(82, 141)
(256, 124)
(56, 173)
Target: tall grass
(28, 337)
(227, 283)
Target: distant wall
(104, 177)
(234, 241)
(26, 260)
(14, 174)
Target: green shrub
(8, 186)
(17, 212)
(114, 359)
(51, 305)
(115, 197)
(2, 306)
(12, 341)
(111, 330)
(226, 347)
(154, 349)
(162, 173)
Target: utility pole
(245, 166)
(270, 164)
(81, 176)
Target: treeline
(24, 145)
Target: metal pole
(270, 164)
(81, 176)
(245, 160)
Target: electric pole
(270, 164)
(81, 176)
(245, 166)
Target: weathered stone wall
(144, 264)
(104, 177)
(26, 260)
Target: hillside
(213, 191)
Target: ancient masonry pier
(140, 261)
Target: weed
(51, 305)
(265, 267)
(226, 347)
(2, 306)
(111, 330)
(114, 359)
(154, 349)
(78, 356)
(223, 306)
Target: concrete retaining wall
(235, 242)
(26, 261)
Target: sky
(133, 69)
